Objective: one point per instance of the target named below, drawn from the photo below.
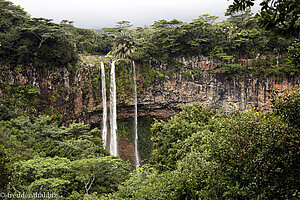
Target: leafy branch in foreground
(282, 16)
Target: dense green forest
(198, 154)
(41, 42)
(240, 155)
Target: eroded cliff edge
(74, 94)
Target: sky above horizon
(96, 14)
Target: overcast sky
(96, 14)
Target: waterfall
(113, 112)
(137, 162)
(104, 127)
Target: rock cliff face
(74, 94)
(214, 91)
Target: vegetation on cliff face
(239, 37)
(237, 46)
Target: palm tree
(123, 45)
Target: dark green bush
(239, 155)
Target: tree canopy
(282, 16)
(38, 156)
(41, 42)
(239, 155)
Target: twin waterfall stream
(137, 162)
(113, 143)
(104, 117)
(113, 147)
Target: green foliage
(294, 54)
(5, 168)
(36, 41)
(42, 137)
(75, 149)
(287, 106)
(276, 15)
(123, 44)
(39, 41)
(229, 70)
(101, 175)
(238, 37)
(37, 173)
(250, 158)
(68, 161)
(239, 155)
(166, 136)
(21, 98)
(161, 77)
(44, 29)
(69, 178)
(10, 17)
(269, 66)
(165, 39)
(90, 42)
(149, 75)
(124, 80)
(201, 36)
(196, 72)
(147, 183)
(228, 67)
(124, 128)
(144, 138)
(5, 113)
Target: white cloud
(104, 13)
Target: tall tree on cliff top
(282, 16)
(123, 45)
(37, 41)
(45, 29)
(11, 16)
(123, 41)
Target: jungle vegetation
(41, 42)
(198, 154)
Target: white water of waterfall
(113, 112)
(104, 116)
(137, 162)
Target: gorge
(80, 96)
